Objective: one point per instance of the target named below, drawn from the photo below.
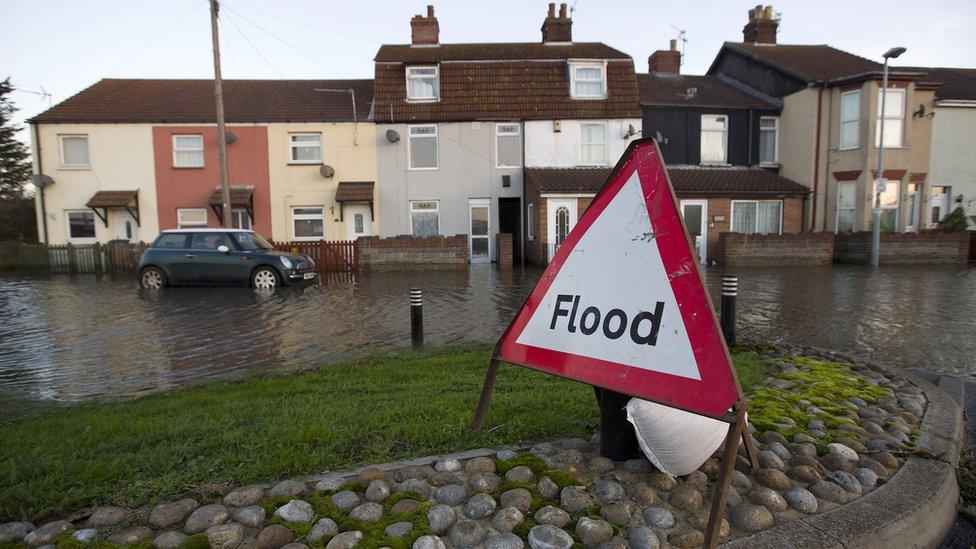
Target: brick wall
(408, 252)
(924, 247)
(504, 246)
(745, 250)
(722, 207)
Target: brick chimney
(761, 28)
(557, 29)
(666, 61)
(424, 31)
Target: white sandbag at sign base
(676, 442)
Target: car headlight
(286, 262)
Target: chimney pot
(557, 29)
(674, 45)
(552, 9)
(430, 11)
(665, 61)
(425, 30)
(762, 26)
(562, 11)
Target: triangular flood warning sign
(623, 305)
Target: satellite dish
(41, 180)
(631, 131)
(660, 138)
(326, 171)
(392, 136)
(230, 138)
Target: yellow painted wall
(121, 157)
(349, 148)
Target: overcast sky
(64, 46)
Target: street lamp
(876, 229)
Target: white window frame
(437, 83)
(838, 208)
(177, 150)
(241, 213)
(574, 65)
(856, 120)
(725, 140)
(436, 209)
(64, 165)
(292, 145)
(80, 240)
(896, 207)
(307, 217)
(781, 203)
(518, 149)
(891, 93)
(194, 225)
(606, 143)
(775, 120)
(530, 221)
(437, 146)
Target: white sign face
(880, 185)
(612, 299)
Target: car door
(208, 264)
(169, 252)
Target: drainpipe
(36, 138)
(522, 207)
(749, 149)
(816, 161)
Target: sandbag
(676, 442)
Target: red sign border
(718, 388)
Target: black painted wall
(756, 75)
(682, 128)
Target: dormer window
(587, 80)
(423, 84)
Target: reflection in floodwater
(75, 338)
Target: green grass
(389, 406)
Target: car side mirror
(223, 249)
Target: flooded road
(76, 338)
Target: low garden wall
(745, 250)
(925, 247)
(408, 252)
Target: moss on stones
(196, 541)
(530, 460)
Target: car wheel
(152, 278)
(264, 278)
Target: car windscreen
(251, 242)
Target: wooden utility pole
(221, 129)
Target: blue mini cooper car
(220, 257)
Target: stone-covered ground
(828, 433)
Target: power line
(157, 37)
(304, 24)
(248, 40)
(225, 39)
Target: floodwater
(75, 338)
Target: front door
(695, 214)
(561, 215)
(358, 221)
(479, 237)
(128, 230)
(940, 203)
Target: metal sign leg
(618, 441)
(717, 511)
(479, 414)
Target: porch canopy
(241, 196)
(101, 201)
(685, 179)
(354, 191)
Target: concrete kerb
(916, 508)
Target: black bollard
(416, 316)
(617, 438)
(730, 288)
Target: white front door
(358, 221)
(561, 215)
(695, 214)
(127, 228)
(479, 237)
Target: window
(81, 226)
(507, 146)
(308, 222)
(889, 206)
(209, 241)
(530, 221)
(588, 80)
(850, 119)
(423, 147)
(422, 84)
(171, 241)
(714, 138)
(911, 203)
(846, 200)
(757, 217)
(187, 151)
(191, 217)
(240, 219)
(74, 151)
(769, 140)
(306, 148)
(894, 119)
(424, 219)
(593, 144)
(562, 224)
(940, 202)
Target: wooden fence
(329, 256)
(112, 258)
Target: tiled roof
(192, 101)
(112, 199)
(686, 180)
(810, 63)
(502, 81)
(240, 195)
(956, 84)
(355, 191)
(710, 91)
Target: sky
(62, 47)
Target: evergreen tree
(15, 165)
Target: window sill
(769, 164)
(423, 169)
(715, 164)
(316, 163)
(431, 100)
(508, 167)
(588, 97)
(892, 147)
(849, 148)
(82, 241)
(188, 167)
(75, 168)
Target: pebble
(369, 512)
(866, 477)
(593, 532)
(519, 498)
(404, 506)
(205, 517)
(769, 459)
(86, 536)
(428, 542)
(345, 500)
(448, 465)
(505, 455)
(741, 481)
(552, 515)
(295, 545)
(330, 484)
(289, 488)
(507, 519)
(252, 516)
(640, 466)
(544, 449)
(886, 459)
(642, 537)
(324, 527)
(803, 473)
(345, 540)
(601, 465)
(659, 517)
(519, 473)
(297, 510)
(504, 541)
(683, 497)
(801, 438)
(480, 506)
(452, 494)
(169, 540)
(751, 518)
(415, 486)
(467, 533)
(574, 500)
(134, 534)
(546, 536)
(377, 491)
(548, 488)
(479, 465)
(828, 491)
(834, 461)
(697, 480)
(780, 450)
(770, 499)
(773, 478)
(484, 482)
(846, 481)
(107, 516)
(225, 536)
(686, 539)
(617, 513)
(802, 500)
(14, 531)
(662, 481)
(274, 536)
(244, 496)
(47, 532)
(413, 471)
(398, 529)
(609, 492)
(816, 425)
(441, 517)
(845, 451)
